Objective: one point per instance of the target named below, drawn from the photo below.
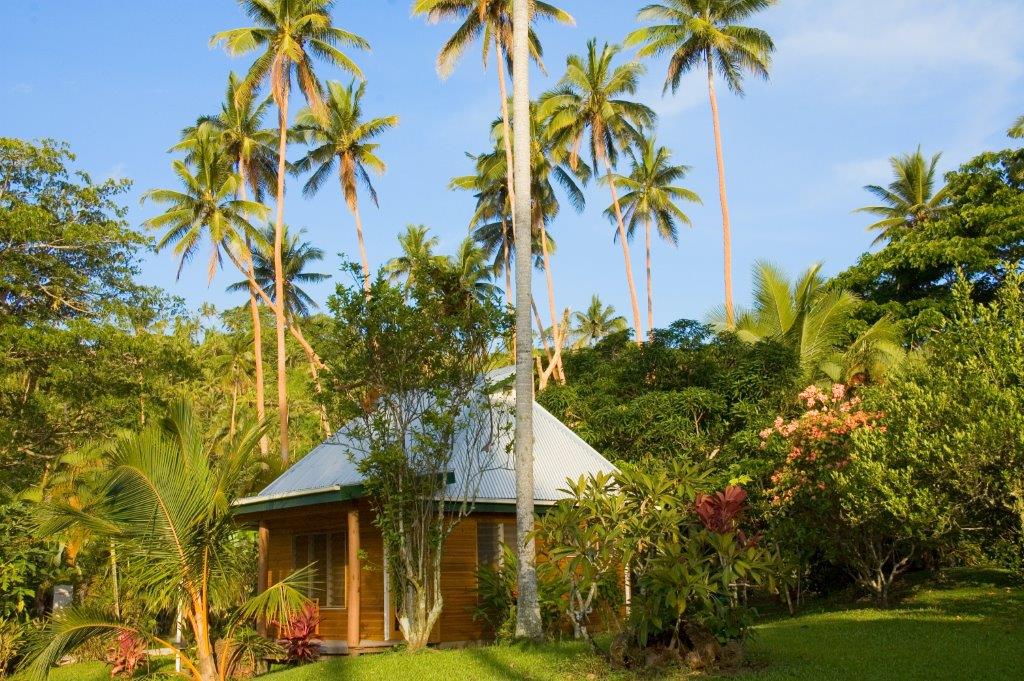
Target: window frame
(324, 600)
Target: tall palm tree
(596, 322)
(548, 168)
(342, 135)
(243, 138)
(491, 21)
(289, 34)
(417, 247)
(232, 364)
(911, 198)
(476, 277)
(1017, 129)
(814, 319)
(528, 622)
(651, 198)
(166, 495)
(709, 33)
(588, 103)
(297, 257)
(207, 210)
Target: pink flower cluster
(819, 440)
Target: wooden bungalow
(316, 513)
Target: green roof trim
(300, 500)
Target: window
(327, 556)
(490, 535)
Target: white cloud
(892, 41)
(116, 172)
(691, 94)
(862, 171)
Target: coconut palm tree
(598, 321)
(476, 277)
(342, 136)
(651, 198)
(166, 495)
(416, 247)
(1017, 130)
(814, 319)
(289, 34)
(548, 168)
(588, 103)
(207, 210)
(709, 33)
(239, 127)
(297, 257)
(528, 623)
(231, 366)
(911, 198)
(491, 21)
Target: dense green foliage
(689, 393)
(980, 232)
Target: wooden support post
(354, 571)
(263, 569)
(264, 565)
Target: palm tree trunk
(726, 235)
(115, 581)
(528, 624)
(279, 312)
(555, 330)
(650, 281)
(543, 336)
(257, 352)
(234, 407)
(625, 252)
(506, 131)
(506, 256)
(257, 327)
(365, 262)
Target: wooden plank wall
(458, 579)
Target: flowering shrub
(820, 442)
(842, 494)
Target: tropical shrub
(127, 654)
(12, 635)
(166, 496)
(497, 597)
(841, 494)
(958, 411)
(689, 561)
(299, 636)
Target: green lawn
(968, 626)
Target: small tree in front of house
(407, 377)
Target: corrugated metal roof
(558, 453)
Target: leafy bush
(12, 636)
(842, 494)
(496, 591)
(687, 556)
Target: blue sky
(854, 82)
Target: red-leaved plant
(720, 512)
(299, 638)
(128, 653)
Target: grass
(969, 625)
